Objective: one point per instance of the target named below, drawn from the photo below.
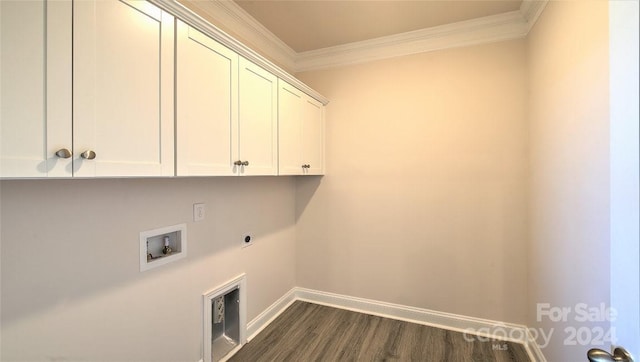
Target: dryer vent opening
(225, 322)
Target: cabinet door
(35, 88)
(122, 89)
(289, 130)
(312, 136)
(207, 105)
(258, 120)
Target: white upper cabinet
(226, 110)
(289, 130)
(258, 121)
(301, 132)
(122, 89)
(35, 89)
(312, 136)
(206, 105)
(119, 88)
(87, 89)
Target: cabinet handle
(88, 155)
(245, 163)
(238, 163)
(306, 166)
(619, 355)
(63, 153)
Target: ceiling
(306, 25)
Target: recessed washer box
(162, 246)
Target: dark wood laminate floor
(311, 332)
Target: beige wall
(424, 200)
(71, 285)
(569, 209)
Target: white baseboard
(471, 326)
(268, 315)
(535, 353)
(454, 322)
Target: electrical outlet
(247, 240)
(198, 212)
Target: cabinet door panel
(207, 104)
(35, 78)
(313, 136)
(123, 89)
(258, 117)
(289, 130)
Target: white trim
(449, 321)
(505, 26)
(531, 10)
(265, 318)
(535, 353)
(230, 354)
(454, 322)
(510, 25)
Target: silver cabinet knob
(245, 163)
(619, 355)
(63, 153)
(238, 163)
(88, 155)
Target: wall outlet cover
(198, 212)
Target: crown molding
(488, 29)
(186, 15)
(228, 14)
(506, 26)
(531, 10)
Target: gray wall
(71, 285)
